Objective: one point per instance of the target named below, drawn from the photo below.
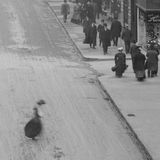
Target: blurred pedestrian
(65, 10)
(133, 51)
(126, 36)
(93, 35)
(139, 65)
(89, 11)
(106, 39)
(100, 31)
(76, 14)
(152, 61)
(116, 29)
(86, 29)
(120, 63)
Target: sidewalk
(77, 35)
(138, 102)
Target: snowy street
(38, 61)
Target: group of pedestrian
(106, 35)
(140, 62)
(81, 9)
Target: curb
(126, 125)
(77, 48)
(146, 155)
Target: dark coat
(65, 9)
(120, 63)
(126, 35)
(152, 60)
(116, 28)
(106, 37)
(86, 26)
(100, 30)
(139, 62)
(93, 35)
(90, 12)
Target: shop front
(148, 20)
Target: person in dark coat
(133, 51)
(76, 14)
(116, 29)
(120, 62)
(100, 31)
(139, 64)
(86, 30)
(126, 36)
(65, 10)
(89, 11)
(152, 61)
(93, 35)
(106, 38)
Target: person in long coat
(76, 14)
(89, 10)
(126, 36)
(100, 31)
(65, 10)
(93, 35)
(106, 38)
(86, 29)
(139, 64)
(120, 62)
(152, 61)
(116, 29)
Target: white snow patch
(16, 29)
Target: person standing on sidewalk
(100, 31)
(139, 65)
(116, 29)
(106, 39)
(86, 30)
(89, 11)
(133, 51)
(152, 61)
(65, 10)
(126, 36)
(120, 62)
(93, 35)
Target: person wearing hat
(126, 36)
(93, 35)
(65, 10)
(106, 38)
(116, 29)
(139, 65)
(120, 63)
(100, 31)
(152, 61)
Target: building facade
(148, 20)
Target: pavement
(137, 102)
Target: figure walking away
(139, 65)
(116, 29)
(100, 31)
(93, 35)
(120, 63)
(152, 61)
(106, 38)
(65, 10)
(126, 36)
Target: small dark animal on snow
(34, 127)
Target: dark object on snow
(40, 102)
(34, 126)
